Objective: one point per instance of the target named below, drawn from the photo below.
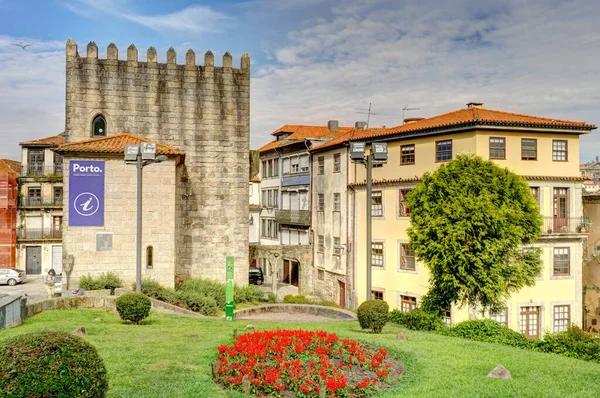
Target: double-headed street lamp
(378, 156)
(140, 157)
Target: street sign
(131, 152)
(229, 303)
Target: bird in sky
(23, 46)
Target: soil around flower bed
(296, 363)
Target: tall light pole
(141, 158)
(378, 156)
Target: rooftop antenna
(405, 109)
(363, 111)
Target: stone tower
(203, 110)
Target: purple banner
(86, 193)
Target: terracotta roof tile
(255, 179)
(55, 140)
(115, 144)
(353, 134)
(300, 133)
(9, 166)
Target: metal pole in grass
(229, 303)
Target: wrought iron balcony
(40, 202)
(566, 225)
(38, 170)
(293, 217)
(39, 234)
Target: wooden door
(530, 322)
(286, 271)
(33, 260)
(561, 210)
(342, 299)
(295, 272)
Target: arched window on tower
(149, 257)
(99, 126)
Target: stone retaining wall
(330, 312)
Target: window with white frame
(321, 165)
(321, 245)
(447, 317)
(377, 204)
(407, 257)
(337, 248)
(270, 198)
(561, 261)
(562, 317)
(337, 202)
(500, 316)
(270, 229)
(337, 162)
(377, 254)
(295, 164)
(304, 163)
(321, 202)
(559, 151)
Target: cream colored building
(544, 151)
(40, 217)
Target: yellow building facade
(544, 151)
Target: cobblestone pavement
(33, 287)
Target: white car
(11, 277)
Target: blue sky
(316, 60)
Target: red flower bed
(283, 362)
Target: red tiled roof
(9, 166)
(353, 134)
(115, 144)
(300, 133)
(255, 179)
(55, 140)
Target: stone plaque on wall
(104, 242)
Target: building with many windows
(39, 233)
(9, 171)
(544, 151)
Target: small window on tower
(99, 126)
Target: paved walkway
(33, 287)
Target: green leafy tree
(472, 223)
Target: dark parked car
(255, 276)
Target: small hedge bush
(417, 319)
(108, 280)
(207, 288)
(489, 331)
(51, 364)
(133, 307)
(373, 314)
(574, 343)
(301, 299)
(198, 302)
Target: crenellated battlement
(112, 54)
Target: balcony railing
(293, 217)
(566, 225)
(36, 170)
(41, 202)
(38, 234)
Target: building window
(149, 257)
(403, 210)
(321, 274)
(337, 202)
(528, 149)
(337, 162)
(270, 198)
(497, 148)
(321, 202)
(58, 159)
(321, 163)
(408, 303)
(562, 317)
(529, 322)
(561, 261)
(58, 196)
(34, 196)
(447, 317)
(500, 316)
(304, 164)
(535, 192)
(35, 161)
(377, 204)
(559, 151)
(99, 127)
(321, 246)
(337, 248)
(295, 164)
(443, 151)
(376, 294)
(264, 169)
(377, 254)
(407, 154)
(275, 167)
(270, 167)
(407, 257)
(270, 229)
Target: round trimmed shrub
(51, 364)
(133, 307)
(373, 314)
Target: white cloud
(32, 84)
(526, 57)
(191, 20)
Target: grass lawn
(170, 356)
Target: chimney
(410, 120)
(333, 125)
(360, 125)
(477, 105)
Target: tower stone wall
(203, 110)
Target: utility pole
(377, 158)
